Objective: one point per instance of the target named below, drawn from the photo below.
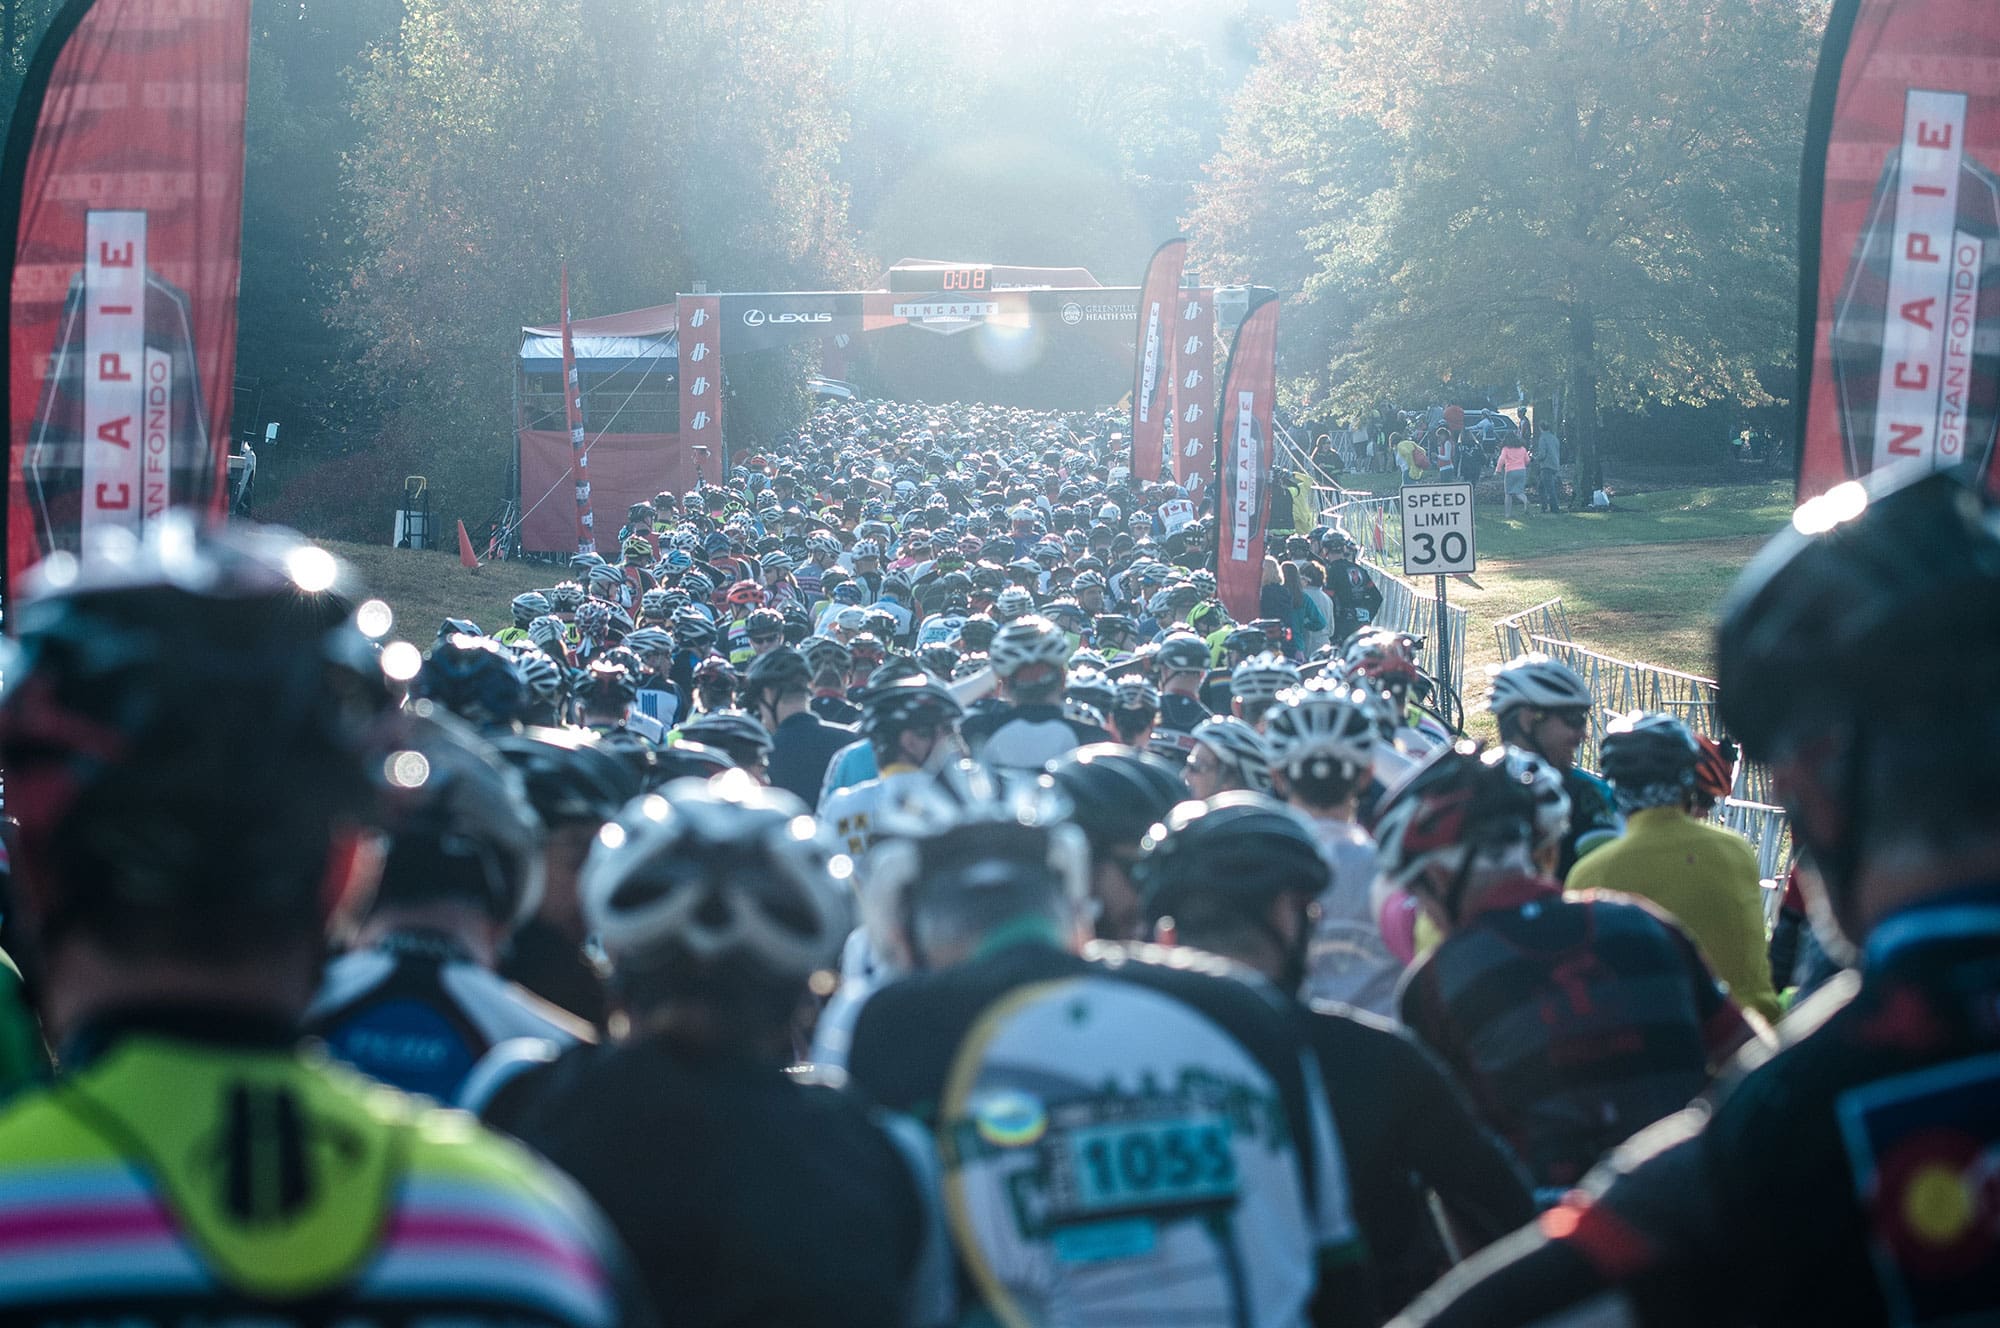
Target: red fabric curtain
(624, 469)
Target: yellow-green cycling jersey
(195, 1162)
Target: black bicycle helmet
(568, 775)
(1239, 851)
(1118, 794)
(774, 673)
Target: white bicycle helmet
(710, 872)
(1238, 746)
(539, 674)
(1317, 732)
(1026, 641)
(823, 653)
(1551, 799)
(1013, 603)
(1534, 680)
(1261, 677)
(649, 641)
(1136, 694)
(867, 548)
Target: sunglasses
(764, 638)
(1574, 716)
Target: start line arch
(653, 379)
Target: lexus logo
(757, 318)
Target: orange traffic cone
(465, 554)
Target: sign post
(1438, 542)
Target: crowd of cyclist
(892, 889)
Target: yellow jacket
(1703, 876)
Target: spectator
(1548, 469)
(1514, 475)
(1275, 600)
(1315, 594)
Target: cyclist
(575, 786)
(832, 664)
(527, 606)
(1702, 876)
(658, 698)
(1238, 876)
(1183, 663)
(714, 680)
(1228, 754)
(1028, 729)
(1125, 1141)
(1134, 716)
(1573, 1023)
(183, 838)
(1714, 774)
(475, 678)
(746, 1195)
(1116, 795)
(415, 1002)
(1323, 740)
(777, 691)
(737, 735)
(1871, 1130)
(1254, 685)
(1542, 707)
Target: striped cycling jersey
(194, 1168)
(1572, 1023)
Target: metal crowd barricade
(1376, 524)
(1618, 685)
(1407, 609)
(1547, 619)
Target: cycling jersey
(1124, 1141)
(1406, 1128)
(1347, 960)
(802, 747)
(1216, 697)
(1705, 878)
(835, 709)
(1173, 732)
(745, 1196)
(659, 700)
(1846, 1178)
(1025, 738)
(940, 629)
(1593, 818)
(416, 1012)
(848, 814)
(1573, 1023)
(193, 1168)
(551, 964)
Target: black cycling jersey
(1573, 1023)
(801, 748)
(415, 1012)
(548, 963)
(745, 1197)
(1216, 696)
(1025, 737)
(1848, 1177)
(1406, 1128)
(1095, 1093)
(836, 710)
(1173, 733)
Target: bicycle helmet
(778, 561)
(541, 676)
(593, 619)
(916, 700)
(606, 580)
(606, 682)
(1551, 798)
(530, 605)
(1233, 856)
(746, 593)
(699, 587)
(1262, 677)
(1383, 659)
(581, 563)
(823, 654)
(1136, 694)
(1464, 807)
(976, 633)
(775, 673)
(715, 670)
(649, 641)
(568, 776)
(847, 593)
(1650, 759)
(865, 548)
(567, 597)
(657, 604)
(798, 624)
(1027, 642)
(458, 627)
(1013, 603)
(1115, 793)
(682, 759)
(764, 622)
(716, 888)
(550, 634)
(938, 659)
(734, 732)
(1715, 770)
(880, 624)
(1535, 681)
(692, 629)
(184, 725)
(1247, 641)
(1238, 746)
(1183, 652)
(1093, 688)
(619, 622)
(1088, 580)
(460, 824)
(637, 547)
(1322, 733)
(823, 547)
(473, 677)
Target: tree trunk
(1582, 404)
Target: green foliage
(647, 144)
(1589, 194)
(22, 23)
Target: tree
(1600, 193)
(22, 23)
(645, 143)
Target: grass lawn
(426, 586)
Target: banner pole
(1443, 655)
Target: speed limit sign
(1437, 530)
